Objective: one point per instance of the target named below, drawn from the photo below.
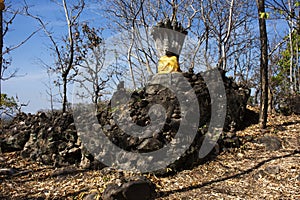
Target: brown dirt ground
(248, 172)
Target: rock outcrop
(54, 138)
(47, 138)
(163, 106)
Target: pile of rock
(47, 138)
(139, 108)
(53, 138)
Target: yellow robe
(168, 64)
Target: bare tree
(1, 47)
(65, 54)
(289, 10)
(130, 18)
(135, 19)
(52, 95)
(5, 22)
(291, 21)
(224, 22)
(94, 74)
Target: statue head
(169, 38)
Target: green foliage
(7, 101)
(285, 59)
(8, 105)
(282, 83)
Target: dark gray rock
(273, 169)
(48, 138)
(112, 192)
(272, 143)
(153, 94)
(138, 189)
(52, 138)
(290, 105)
(14, 142)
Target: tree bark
(256, 96)
(291, 61)
(65, 100)
(263, 117)
(271, 108)
(1, 56)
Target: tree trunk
(263, 117)
(291, 61)
(292, 55)
(224, 57)
(65, 101)
(298, 66)
(256, 96)
(206, 47)
(130, 63)
(1, 56)
(271, 108)
(225, 40)
(296, 70)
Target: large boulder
(290, 105)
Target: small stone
(85, 163)
(132, 141)
(177, 111)
(147, 134)
(260, 174)
(240, 155)
(272, 143)
(273, 169)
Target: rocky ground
(265, 166)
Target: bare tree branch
(21, 43)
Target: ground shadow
(167, 193)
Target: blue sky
(29, 86)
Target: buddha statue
(169, 37)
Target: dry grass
(249, 172)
